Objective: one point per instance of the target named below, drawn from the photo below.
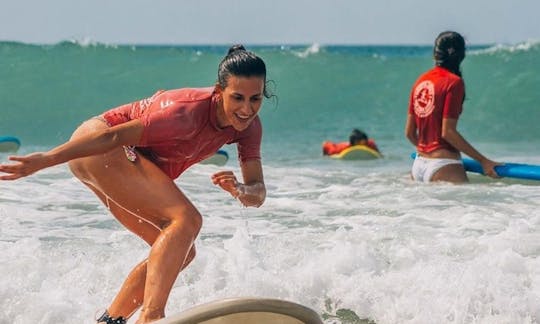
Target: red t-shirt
(437, 94)
(180, 129)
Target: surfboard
(220, 158)
(246, 310)
(357, 152)
(507, 170)
(9, 144)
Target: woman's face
(241, 101)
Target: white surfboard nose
(246, 310)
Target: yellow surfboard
(357, 152)
(246, 310)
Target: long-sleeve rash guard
(180, 129)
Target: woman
(435, 104)
(130, 155)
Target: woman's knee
(194, 222)
(189, 222)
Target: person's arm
(452, 136)
(410, 130)
(97, 142)
(250, 193)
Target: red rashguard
(437, 94)
(180, 129)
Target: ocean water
(352, 240)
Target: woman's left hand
(488, 167)
(227, 181)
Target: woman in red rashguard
(130, 155)
(435, 104)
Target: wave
(530, 45)
(313, 49)
(299, 50)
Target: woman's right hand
(228, 182)
(26, 165)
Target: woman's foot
(107, 319)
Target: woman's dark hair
(449, 51)
(243, 63)
(357, 135)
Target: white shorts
(424, 168)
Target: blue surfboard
(9, 144)
(508, 170)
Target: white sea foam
(312, 49)
(362, 239)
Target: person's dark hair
(449, 51)
(357, 135)
(241, 63)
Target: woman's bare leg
(131, 294)
(146, 194)
(167, 256)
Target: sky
(271, 22)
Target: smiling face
(240, 102)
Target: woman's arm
(250, 193)
(97, 142)
(452, 136)
(410, 130)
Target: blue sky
(268, 22)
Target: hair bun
(234, 48)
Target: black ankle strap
(109, 320)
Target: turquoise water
(352, 240)
(46, 91)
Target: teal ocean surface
(47, 90)
(352, 240)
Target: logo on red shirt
(166, 103)
(424, 98)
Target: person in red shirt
(130, 155)
(435, 104)
(357, 137)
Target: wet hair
(241, 63)
(449, 51)
(357, 135)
